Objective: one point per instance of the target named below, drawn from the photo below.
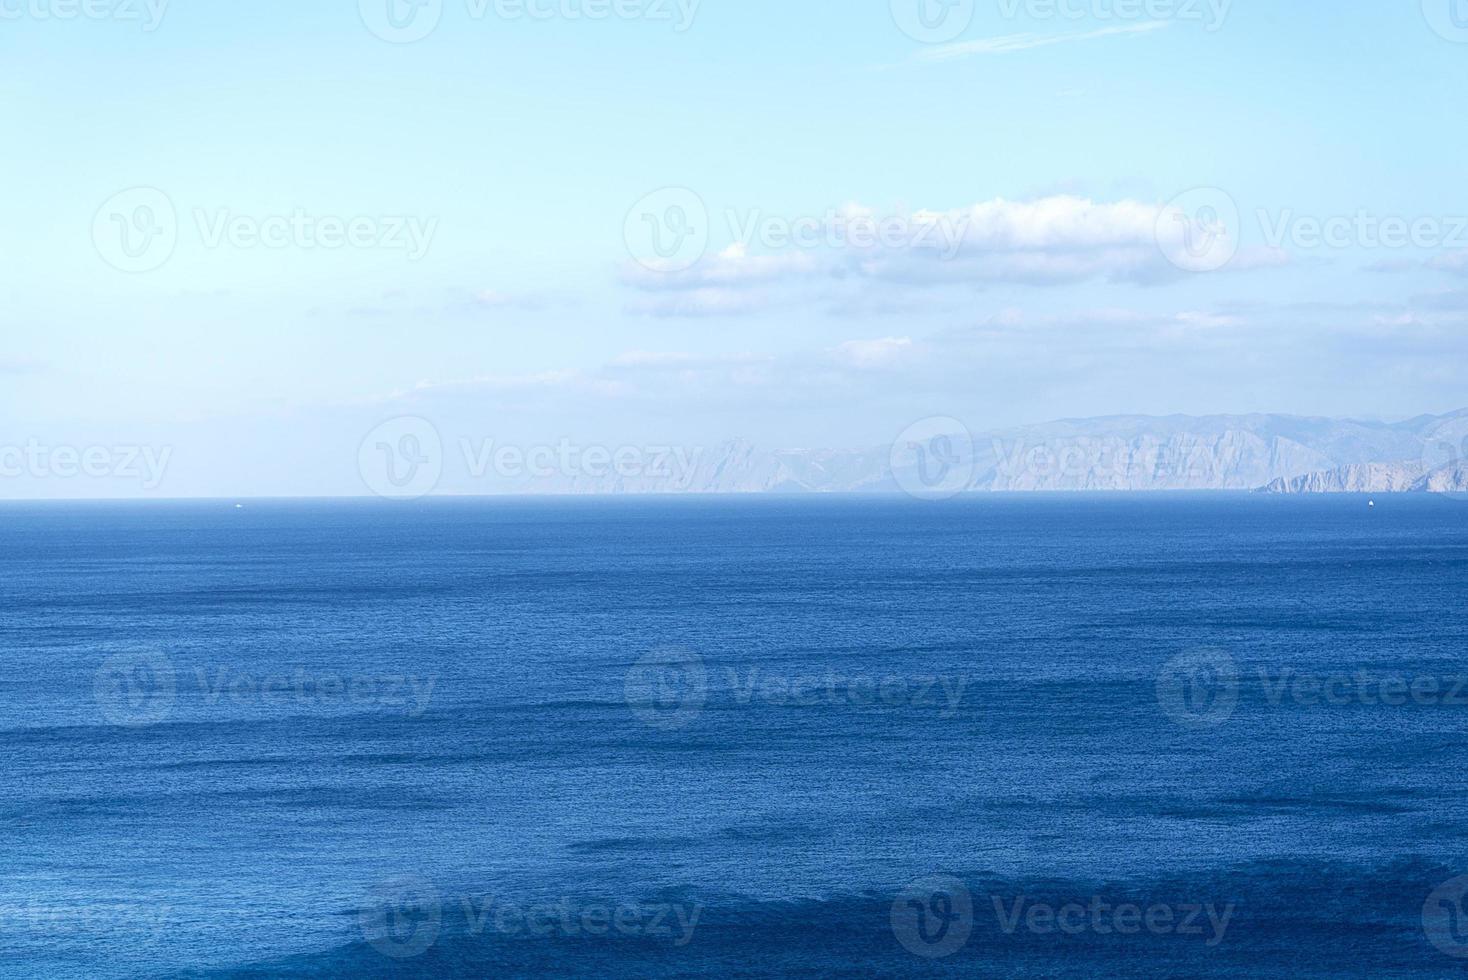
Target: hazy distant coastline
(1270, 453)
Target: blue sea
(1010, 736)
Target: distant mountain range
(1378, 478)
(1274, 453)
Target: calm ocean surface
(753, 737)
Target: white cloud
(677, 360)
(733, 267)
(1010, 43)
(494, 299)
(872, 353)
(1195, 318)
(1051, 240)
(19, 365)
(1062, 221)
(1259, 257)
(502, 383)
(1455, 262)
(701, 303)
(1035, 362)
(1056, 240)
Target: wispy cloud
(1010, 43)
(708, 302)
(494, 299)
(872, 353)
(1047, 242)
(18, 365)
(1454, 261)
(681, 361)
(1008, 362)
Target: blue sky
(1051, 138)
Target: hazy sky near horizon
(251, 233)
